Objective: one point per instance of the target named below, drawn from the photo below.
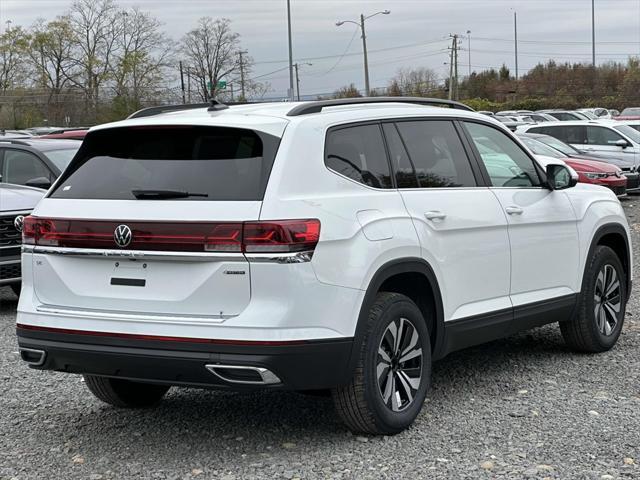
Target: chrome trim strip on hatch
(295, 257)
(127, 316)
(283, 258)
(135, 254)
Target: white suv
(339, 245)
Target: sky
(415, 34)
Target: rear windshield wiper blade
(164, 194)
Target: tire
(125, 393)
(366, 404)
(16, 287)
(593, 329)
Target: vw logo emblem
(18, 222)
(122, 236)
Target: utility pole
(290, 51)
(188, 85)
(455, 63)
(184, 100)
(297, 82)
(469, 39)
(242, 74)
(515, 36)
(451, 70)
(366, 60)
(364, 43)
(593, 32)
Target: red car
(599, 173)
(589, 171)
(68, 135)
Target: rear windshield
(208, 163)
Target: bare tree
(95, 30)
(141, 55)
(13, 64)
(211, 51)
(348, 91)
(417, 82)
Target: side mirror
(560, 177)
(621, 143)
(40, 182)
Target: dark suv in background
(35, 162)
(16, 202)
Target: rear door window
(207, 163)
(359, 153)
(437, 154)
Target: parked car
(541, 117)
(16, 202)
(308, 246)
(73, 134)
(599, 113)
(628, 168)
(603, 137)
(632, 113)
(35, 162)
(565, 115)
(635, 124)
(42, 130)
(511, 123)
(589, 171)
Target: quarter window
(507, 164)
(359, 154)
(437, 154)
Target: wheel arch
(614, 236)
(396, 276)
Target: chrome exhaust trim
(33, 357)
(266, 375)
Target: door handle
(435, 215)
(513, 210)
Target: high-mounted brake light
(276, 236)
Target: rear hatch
(146, 221)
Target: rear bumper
(299, 365)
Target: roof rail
(15, 141)
(317, 106)
(212, 105)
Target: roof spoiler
(212, 105)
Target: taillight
(278, 236)
(281, 236)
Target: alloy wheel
(607, 299)
(399, 364)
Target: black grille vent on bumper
(11, 271)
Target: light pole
(593, 32)
(360, 24)
(296, 65)
(290, 51)
(515, 36)
(469, 39)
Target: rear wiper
(164, 194)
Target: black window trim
(542, 177)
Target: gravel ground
(524, 407)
